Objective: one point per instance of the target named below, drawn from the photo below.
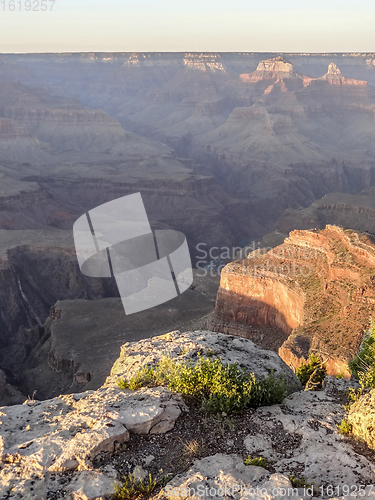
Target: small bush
(132, 488)
(259, 462)
(312, 374)
(353, 395)
(300, 482)
(221, 387)
(363, 364)
(340, 375)
(344, 427)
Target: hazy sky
(188, 25)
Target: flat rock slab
(69, 432)
(84, 485)
(90, 485)
(226, 476)
(186, 346)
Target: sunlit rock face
(335, 77)
(317, 288)
(268, 69)
(204, 62)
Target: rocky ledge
(40, 441)
(76, 447)
(189, 345)
(313, 293)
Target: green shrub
(300, 482)
(353, 396)
(344, 427)
(363, 364)
(132, 488)
(259, 462)
(340, 375)
(312, 374)
(221, 387)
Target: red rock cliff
(317, 290)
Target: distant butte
(278, 69)
(335, 77)
(275, 68)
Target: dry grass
(192, 448)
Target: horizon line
(353, 52)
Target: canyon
(227, 148)
(272, 153)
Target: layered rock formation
(81, 158)
(26, 204)
(316, 290)
(202, 62)
(335, 77)
(62, 122)
(36, 269)
(342, 209)
(276, 68)
(272, 137)
(20, 145)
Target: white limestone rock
(319, 453)
(69, 432)
(221, 476)
(91, 485)
(186, 346)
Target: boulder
(187, 346)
